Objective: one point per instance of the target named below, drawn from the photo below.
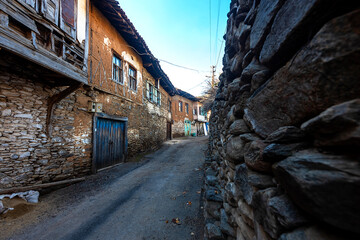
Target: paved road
(133, 201)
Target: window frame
(120, 69)
(132, 78)
(180, 106)
(187, 108)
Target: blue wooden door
(187, 126)
(110, 142)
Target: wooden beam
(55, 99)
(40, 186)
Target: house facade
(79, 90)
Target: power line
(176, 65)
(210, 27)
(217, 28)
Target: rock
(259, 79)
(244, 34)
(246, 231)
(250, 70)
(286, 212)
(234, 86)
(238, 127)
(235, 149)
(14, 156)
(338, 125)
(246, 190)
(288, 96)
(265, 14)
(286, 134)
(245, 210)
(254, 157)
(236, 64)
(23, 116)
(6, 112)
(247, 59)
(275, 213)
(249, 137)
(259, 232)
(25, 155)
(232, 191)
(312, 233)
(224, 225)
(211, 180)
(325, 186)
(213, 209)
(291, 28)
(213, 195)
(213, 232)
(250, 17)
(259, 180)
(240, 18)
(276, 152)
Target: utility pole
(213, 70)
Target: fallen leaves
(176, 221)
(189, 203)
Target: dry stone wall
(283, 157)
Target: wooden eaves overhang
(186, 95)
(117, 17)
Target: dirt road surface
(156, 198)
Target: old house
(200, 122)
(182, 114)
(128, 83)
(79, 90)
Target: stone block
(288, 96)
(325, 186)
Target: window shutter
(159, 101)
(68, 11)
(155, 95)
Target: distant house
(188, 116)
(79, 90)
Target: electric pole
(213, 70)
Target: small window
(187, 108)
(132, 78)
(200, 111)
(150, 92)
(117, 70)
(180, 106)
(158, 99)
(169, 102)
(195, 111)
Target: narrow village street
(158, 197)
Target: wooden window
(117, 72)
(200, 111)
(180, 106)
(149, 91)
(68, 11)
(169, 102)
(187, 108)
(132, 78)
(195, 111)
(158, 100)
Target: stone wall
(27, 154)
(282, 160)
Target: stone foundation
(282, 160)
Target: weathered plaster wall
(283, 158)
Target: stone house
(79, 90)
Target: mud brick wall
(283, 154)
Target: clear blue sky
(178, 31)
